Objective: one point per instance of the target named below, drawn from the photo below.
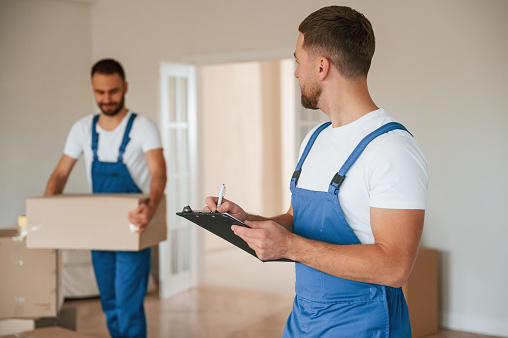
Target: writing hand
(226, 206)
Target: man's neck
(347, 103)
(108, 122)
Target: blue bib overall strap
(325, 305)
(122, 276)
(126, 137)
(125, 140)
(339, 177)
(298, 170)
(112, 177)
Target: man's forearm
(368, 263)
(58, 178)
(56, 185)
(388, 261)
(157, 187)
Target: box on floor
(49, 332)
(422, 293)
(91, 221)
(31, 284)
(66, 319)
(16, 325)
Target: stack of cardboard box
(30, 286)
(30, 260)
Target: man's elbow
(398, 276)
(160, 177)
(163, 178)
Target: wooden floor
(241, 297)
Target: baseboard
(475, 324)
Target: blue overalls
(328, 306)
(122, 276)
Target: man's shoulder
(83, 124)
(85, 120)
(144, 130)
(143, 122)
(397, 146)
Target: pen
(221, 195)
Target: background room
(440, 68)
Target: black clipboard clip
(186, 209)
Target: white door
(179, 255)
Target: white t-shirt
(390, 173)
(144, 136)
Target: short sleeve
(398, 174)
(151, 137)
(75, 141)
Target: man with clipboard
(358, 194)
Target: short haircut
(342, 35)
(108, 66)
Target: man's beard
(117, 109)
(311, 97)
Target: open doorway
(251, 126)
(248, 125)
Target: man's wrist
(292, 243)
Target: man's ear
(125, 87)
(323, 67)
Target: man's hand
(226, 206)
(140, 217)
(269, 239)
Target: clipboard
(220, 225)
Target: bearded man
(123, 154)
(358, 193)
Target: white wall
(45, 54)
(440, 68)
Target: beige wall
(241, 148)
(440, 68)
(273, 180)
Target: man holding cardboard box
(123, 154)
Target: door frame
(169, 254)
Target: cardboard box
(422, 293)
(66, 319)
(15, 325)
(31, 283)
(91, 221)
(49, 332)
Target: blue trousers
(122, 278)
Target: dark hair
(108, 66)
(342, 35)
